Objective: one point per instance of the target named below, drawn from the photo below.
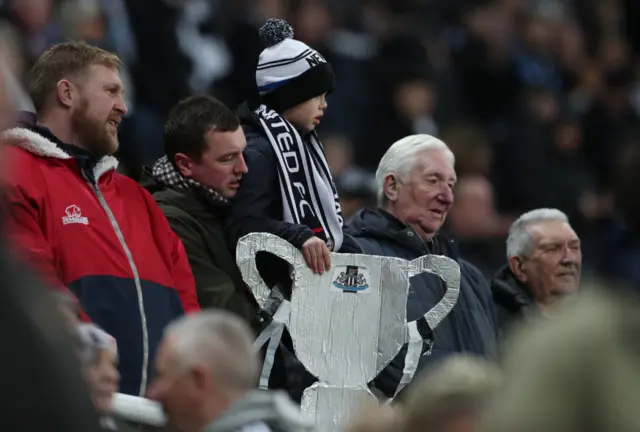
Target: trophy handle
(246, 251)
(449, 271)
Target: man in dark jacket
(193, 184)
(544, 267)
(415, 180)
(288, 190)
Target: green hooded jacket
(199, 224)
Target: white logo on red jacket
(74, 216)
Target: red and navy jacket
(101, 235)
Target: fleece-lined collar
(39, 145)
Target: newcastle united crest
(351, 280)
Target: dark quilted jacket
(470, 327)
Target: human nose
(121, 106)
(323, 102)
(109, 373)
(446, 195)
(572, 255)
(115, 375)
(242, 165)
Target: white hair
(220, 339)
(400, 157)
(519, 242)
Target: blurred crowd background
(538, 99)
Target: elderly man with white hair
(206, 372)
(415, 181)
(544, 266)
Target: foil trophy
(346, 324)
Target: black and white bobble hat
(289, 72)
(93, 340)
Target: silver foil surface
(348, 323)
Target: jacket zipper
(136, 278)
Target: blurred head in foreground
(576, 373)
(99, 354)
(204, 365)
(448, 398)
(373, 418)
(451, 396)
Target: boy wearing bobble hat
(288, 190)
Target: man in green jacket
(193, 184)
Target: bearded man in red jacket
(84, 226)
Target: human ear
(390, 187)
(184, 164)
(199, 382)
(65, 92)
(517, 266)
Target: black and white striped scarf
(309, 196)
(165, 173)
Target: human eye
(555, 247)
(432, 180)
